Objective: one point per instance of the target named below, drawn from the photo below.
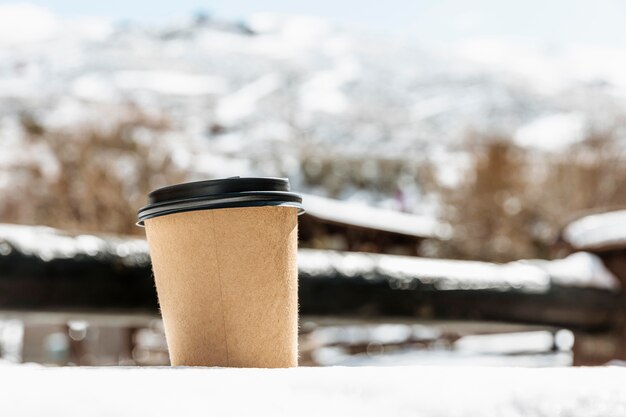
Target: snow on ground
(170, 82)
(243, 102)
(597, 231)
(106, 88)
(336, 391)
(543, 67)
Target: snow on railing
(580, 269)
(402, 272)
(407, 272)
(48, 243)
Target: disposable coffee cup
(224, 261)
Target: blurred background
(463, 165)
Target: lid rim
(232, 192)
(243, 204)
(280, 194)
(217, 186)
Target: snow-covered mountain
(251, 97)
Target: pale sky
(555, 22)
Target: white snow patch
(597, 231)
(432, 106)
(169, 82)
(332, 356)
(580, 269)
(548, 69)
(263, 22)
(554, 132)
(305, 30)
(507, 343)
(94, 87)
(592, 63)
(92, 29)
(517, 58)
(380, 333)
(287, 37)
(71, 112)
(25, 23)
(237, 106)
(322, 92)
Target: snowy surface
(598, 231)
(371, 217)
(365, 391)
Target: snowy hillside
(252, 97)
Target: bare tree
(98, 177)
(513, 202)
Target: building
(348, 226)
(603, 234)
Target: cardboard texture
(227, 284)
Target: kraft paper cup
(224, 260)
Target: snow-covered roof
(361, 215)
(48, 243)
(598, 231)
(578, 270)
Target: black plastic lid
(219, 193)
